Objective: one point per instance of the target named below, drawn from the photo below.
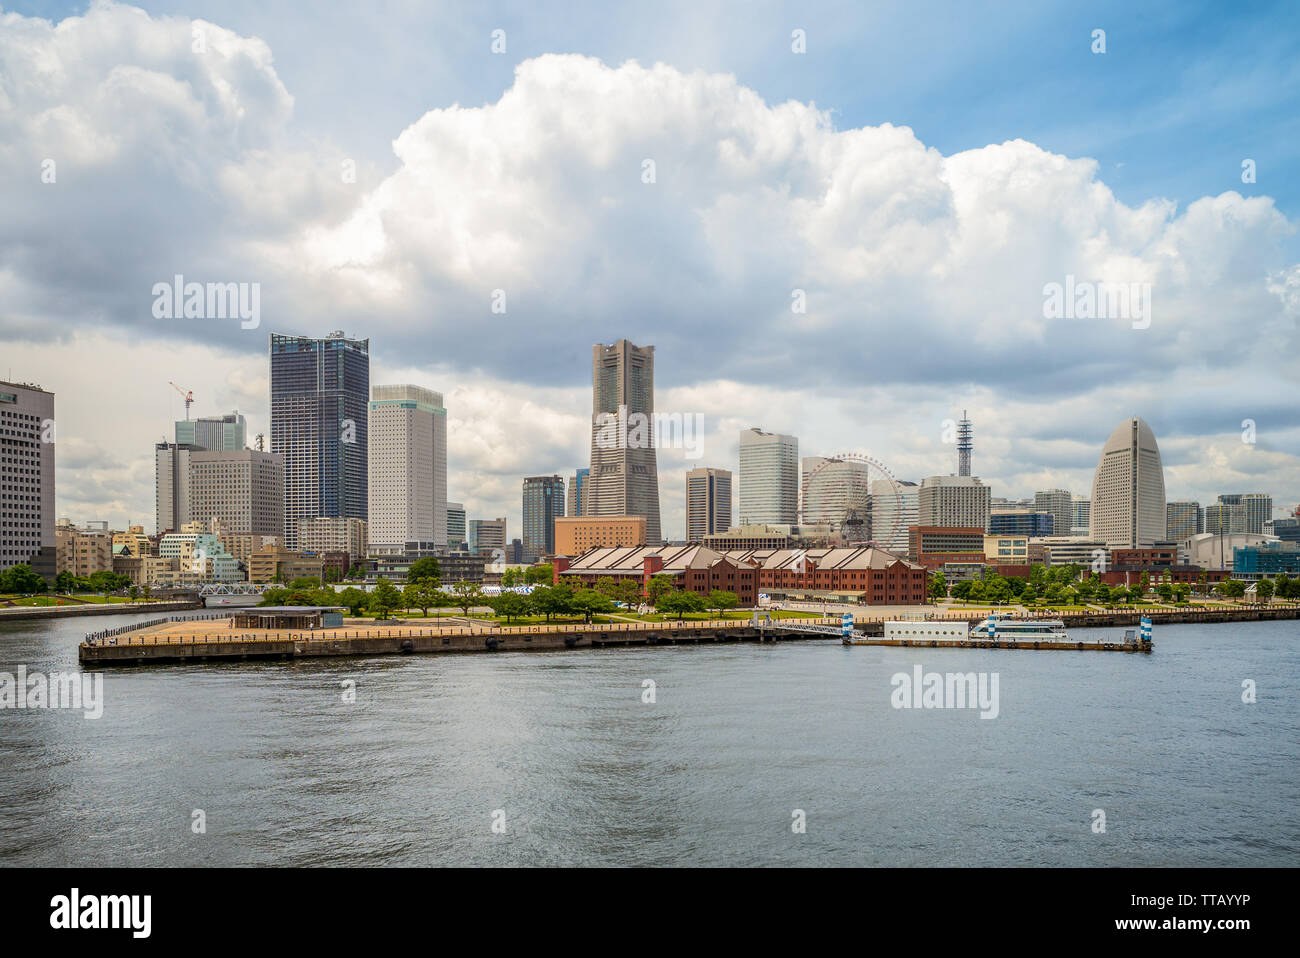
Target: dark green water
(739, 737)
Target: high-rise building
(1225, 517)
(1080, 522)
(543, 504)
(953, 502)
(769, 478)
(172, 486)
(834, 490)
(1128, 489)
(319, 391)
(1182, 521)
(487, 536)
(708, 502)
(408, 466)
(242, 489)
(27, 478)
(965, 444)
(576, 498)
(1022, 522)
(1259, 510)
(455, 524)
(1061, 505)
(624, 479)
(228, 432)
(894, 507)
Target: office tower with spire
(624, 478)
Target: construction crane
(187, 395)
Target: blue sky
(922, 171)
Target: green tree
(23, 580)
(1030, 595)
(721, 601)
(305, 582)
(553, 600)
(1165, 591)
(384, 599)
(274, 596)
(425, 567)
(589, 602)
(938, 586)
(512, 605)
(510, 578)
(148, 591)
(133, 593)
(65, 581)
(466, 595)
(660, 586)
(540, 574)
(421, 594)
(1264, 590)
(680, 602)
(353, 599)
(358, 571)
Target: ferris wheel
(839, 491)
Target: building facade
(575, 503)
(1060, 504)
(1182, 521)
(227, 433)
(894, 508)
(487, 536)
(319, 422)
(768, 483)
(456, 529)
(543, 503)
(953, 502)
(27, 442)
(624, 474)
(334, 534)
(1128, 489)
(243, 490)
(575, 535)
(932, 546)
(407, 465)
(708, 502)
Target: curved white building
(1128, 490)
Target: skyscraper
(487, 536)
(228, 432)
(242, 489)
(708, 502)
(1082, 512)
(769, 478)
(1259, 510)
(408, 466)
(27, 502)
(834, 490)
(624, 474)
(894, 507)
(1061, 505)
(319, 391)
(1128, 489)
(543, 502)
(1182, 521)
(576, 498)
(948, 501)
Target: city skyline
(330, 257)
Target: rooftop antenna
(964, 445)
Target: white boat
(1019, 630)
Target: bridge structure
(234, 588)
(763, 620)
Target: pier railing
(121, 637)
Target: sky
(851, 244)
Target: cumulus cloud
(923, 274)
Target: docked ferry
(1019, 630)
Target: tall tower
(624, 475)
(319, 391)
(769, 478)
(1128, 490)
(408, 466)
(708, 502)
(543, 502)
(965, 443)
